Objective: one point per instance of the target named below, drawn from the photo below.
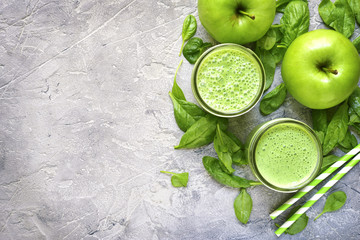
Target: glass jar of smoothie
(284, 154)
(228, 80)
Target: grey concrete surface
(86, 124)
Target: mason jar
(228, 80)
(284, 154)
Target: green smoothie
(286, 155)
(229, 79)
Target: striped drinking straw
(318, 195)
(315, 182)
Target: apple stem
(335, 72)
(247, 14)
(281, 46)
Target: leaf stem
(276, 25)
(168, 172)
(177, 69)
(319, 215)
(181, 49)
(256, 183)
(247, 14)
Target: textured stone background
(86, 124)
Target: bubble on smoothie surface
(228, 80)
(286, 155)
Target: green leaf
(243, 206)
(356, 127)
(269, 64)
(319, 119)
(273, 99)
(354, 100)
(268, 41)
(212, 166)
(295, 21)
(186, 113)
(356, 43)
(278, 52)
(194, 48)
(281, 4)
(226, 141)
(338, 16)
(299, 224)
(334, 202)
(348, 143)
(353, 117)
(337, 128)
(236, 140)
(355, 7)
(178, 179)
(239, 158)
(225, 147)
(321, 136)
(328, 161)
(188, 30)
(176, 90)
(202, 132)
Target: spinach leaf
(188, 30)
(328, 161)
(334, 202)
(268, 41)
(212, 166)
(355, 7)
(337, 128)
(281, 4)
(236, 141)
(269, 64)
(278, 52)
(194, 48)
(338, 16)
(239, 158)
(321, 136)
(354, 110)
(178, 179)
(202, 132)
(319, 119)
(354, 101)
(353, 117)
(176, 90)
(225, 147)
(186, 113)
(356, 43)
(299, 224)
(295, 21)
(348, 143)
(243, 206)
(273, 99)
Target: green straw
(315, 182)
(318, 195)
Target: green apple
(236, 21)
(321, 68)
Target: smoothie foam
(286, 155)
(229, 79)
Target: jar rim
(213, 111)
(253, 144)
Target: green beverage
(228, 80)
(285, 154)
